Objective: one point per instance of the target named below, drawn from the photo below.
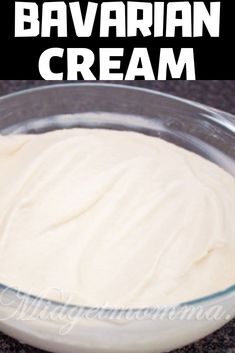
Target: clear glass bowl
(59, 327)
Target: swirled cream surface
(110, 218)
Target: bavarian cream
(109, 218)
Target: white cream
(118, 219)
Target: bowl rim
(227, 292)
(94, 84)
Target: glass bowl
(60, 327)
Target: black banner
(98, 40)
